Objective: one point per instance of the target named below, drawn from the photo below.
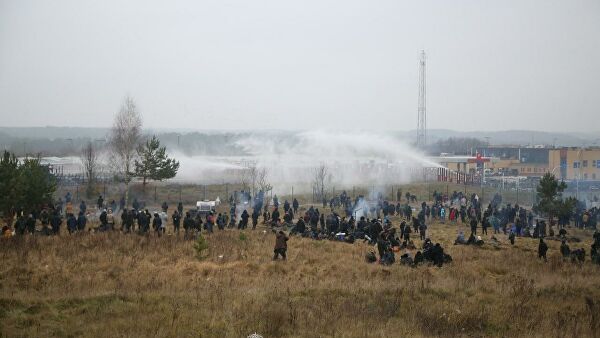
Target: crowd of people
(348, 220)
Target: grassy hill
(113, 285)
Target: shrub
(201, 246)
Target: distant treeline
(60, 142)
(456, 146)
(196, 143)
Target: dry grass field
(117, 285)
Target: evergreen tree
(26, 185)
(38, 185)
(153, 163)
(551, 203)
(9, 184)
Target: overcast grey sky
(492, 65)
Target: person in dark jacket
(565, 251)
(81, 221)
(124, 216)
(157, 224)
(300, 227)
(255, 214)
(422, 230)
(55, 222)
(176, 221)
(135, 204)
(275, 217)
(143, 222)
(103, 220)
(244, 220)
(30, 224)
(407, 232)
(474, 225)
(21, 225)
(71, 223)
(280, 246)
(542, 249)
(188, 225)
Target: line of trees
(130, 154)
(130, 157)
(28, 185)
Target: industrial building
(568, 163)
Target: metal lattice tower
(422, 118)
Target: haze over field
(312, 64)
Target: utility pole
(518, 182)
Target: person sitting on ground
(460, 239)
(45, 230)
(370, 257)
(427, 244)
(405, 259)
(479, 241)
(300, 227)
(437, 253)
(418, 258)
(562, 233)
(578, 255)
(494, 241)
(394, 241)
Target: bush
(201, 246)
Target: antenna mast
(422, 117)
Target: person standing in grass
(473, 225)
(81, 221)
(484, 225)
(176, 221)
(280, 245)
(157, 224)
(542, 249)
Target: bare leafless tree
(125, 136)
(257, 178)
(321, 179)
(252, 177)
(243, 177)
(91, 166)
(262, 180)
